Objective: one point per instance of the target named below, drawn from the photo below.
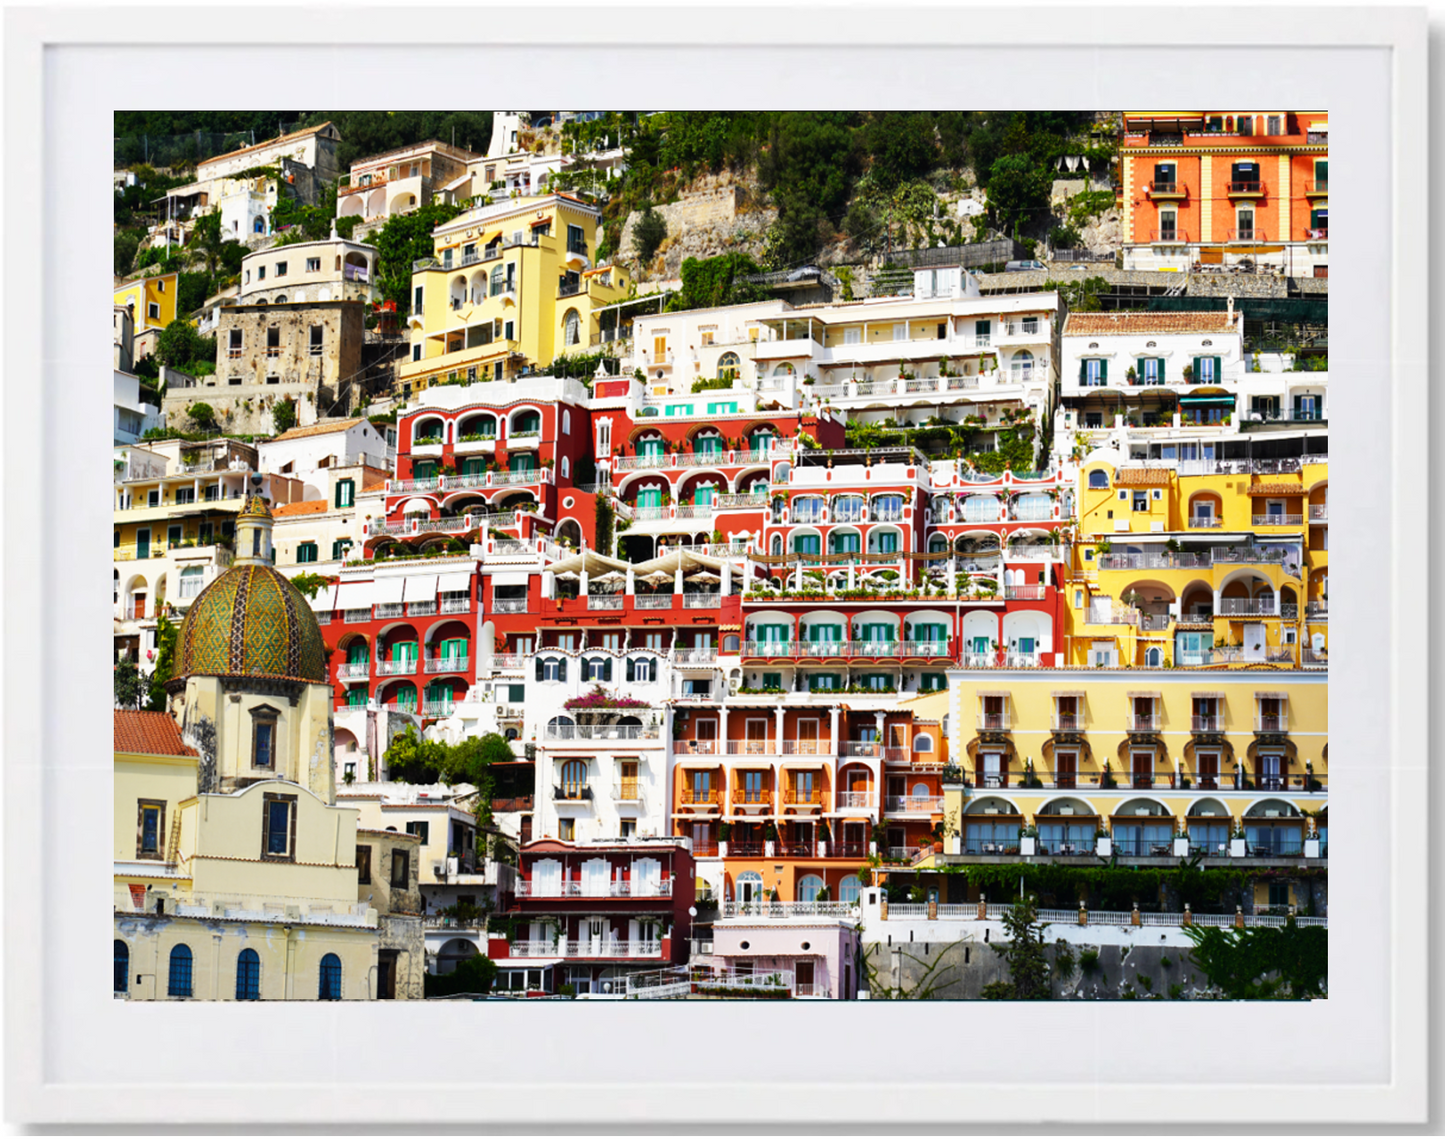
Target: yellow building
(511, 285)
(1153, 766)
(1224, 568)
(235, 872)
(151, 300)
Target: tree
(1289, 962)
(192, 292)
(473, 975)
(648, 234)
(126, 244)
(407, 238)
(1028, 967)
(180, 345)
(130, 686)
(309, 584)
(1018, 190)
(166, 632)
(203, 416)
(710, 282)
(283, 415)
(207, 240)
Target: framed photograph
(805, 603)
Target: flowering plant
(599, 698)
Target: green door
(453, 649)
(143, 543)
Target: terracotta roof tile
(151, 734)
(1277, 489)
(319, 429)
(1142, 477)
(1108, 324)
(372, 485)
(305, 507)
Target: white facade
(314, 452)
(133, 415)
(330, 270)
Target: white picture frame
(74, 1055)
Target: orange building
(1246, 190)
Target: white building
(134, 414)
(319, 448)
(332, 269)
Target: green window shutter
(1104, 371)
(1218, 369)
(1160, 367)
(1083, 372)
(1196, 368)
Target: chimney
(1231, 309)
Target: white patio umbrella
(704, 576)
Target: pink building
(823, 954)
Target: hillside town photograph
(616, 556)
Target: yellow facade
(1141, 755)
(151, 300)
(1220, 569)
(497, 295)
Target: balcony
(803, 796)
(456, 606)
(1180, 561)
(445, 665)
(1204, 522)
(1317, 189)
(746, 798)
(695, 656)
(1143, 723)
(1317, 611)
(509, 606)
(572, 792)
(605, 602)
(576, 889)
(1248, 607)
(627, 791)
(1166, 190)
(442, 708)
(1248, 235)
(1168, 237)
(1206, 723)
(353, 671)
(1271, 722)
(652, 601)
(1279, 520)
(1068, 722)
(388, 610)
(599, 733)
(929, 804)
(845, 800)
(702, 600)
(356, 616)
(1246, 190)
(1035, 592)
(998, 722)
(700, 798)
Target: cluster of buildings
(760, 673)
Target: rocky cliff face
(716, 214)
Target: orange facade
(1202, 178)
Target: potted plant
(1107, 779)
(1236, 841)
(1131, 375)
(1189, 374)
(1028, 840)
(1181, 842)
(1103, 842)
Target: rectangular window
(233, 350)
(273, 342)
(278, 822)
(420, 828)
(185, 495)
(566, 829)
(313, 265)
(280, 269)
(400, 869)
(1168, 225)
(151, 829)
(263, 742)
(363, 863)
(1273, 126)
(345, 492)
(315, 340)
(261, 273)
(852, 336)
(153, 311)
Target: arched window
(849, 889)
(330, 988)
(192, 579)
(919, 790)
(808, 888)
(281, 300)
(777, 544)
(499, 280)
(731, 643)
(727, 366)
(784, 369)
(178, 981)
(1022, 363)
(248, 976)
(1099, 478)
(566, 468)
(122, 967)
(259, 226)
(923, 743)
(527, 424)
(571, 328)
(749, 887)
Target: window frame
(269, 799)
(400, 860)
(264, 715)
(363, 863)
(172, 985)
(143, 805)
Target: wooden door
(803, 976)
(808, 736)
(1065, 770)
(1207, 767)
(756, 734)
(1143, 766)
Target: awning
(355, 595)
(995, 693)
(1069, 693)
(388, 590)
(1152, 693)
(1208, 693)
(1271, 694)
(699, 763)
(1223, 398)
(541, 222)
(421, 588)
(508, 578)
(451, 581)
(800, 763)
(325, 600)
(1277, 489)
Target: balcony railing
(592, 889)
(700, 797)
(398, 666)
(1246, 187)
(1068, 723)
(739, 909)
(1197, 522)
(1248, 607)
(446, 665)
(456, 605)
(387, 610)
(357, 615)
(353, 671)
(1027, 593)
(652, 601)
(1206, 723)
(1143, 722)
(802, 796)
(702, 600)
(753, 796)
(627, 790)
(913, 804)
(509, 606)
(605, 602)
(1278, 520)
(1317, 611)
(855, 800)
(1168, 236)
(694, 656)
(1167, 189)
(599, 733)
(994, 721)
(439, 708)
(1271, 722)
(1242, 235)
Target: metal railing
(445, 665)
(395, 667)
(353, 671)
(600, 733)
(1242, 235)
(1278, 520)
(1271, 722)
(509, 606)
(913, 804)
(605, 601)
(701, 600)
(456, 605)
(1255, 187)
(740, 909)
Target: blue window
(278, 827)
(122, 967)
(248, 976)
(330, 978)
(178, 982)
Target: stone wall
(404, 934)
(717, 215)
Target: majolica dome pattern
(251, 622)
